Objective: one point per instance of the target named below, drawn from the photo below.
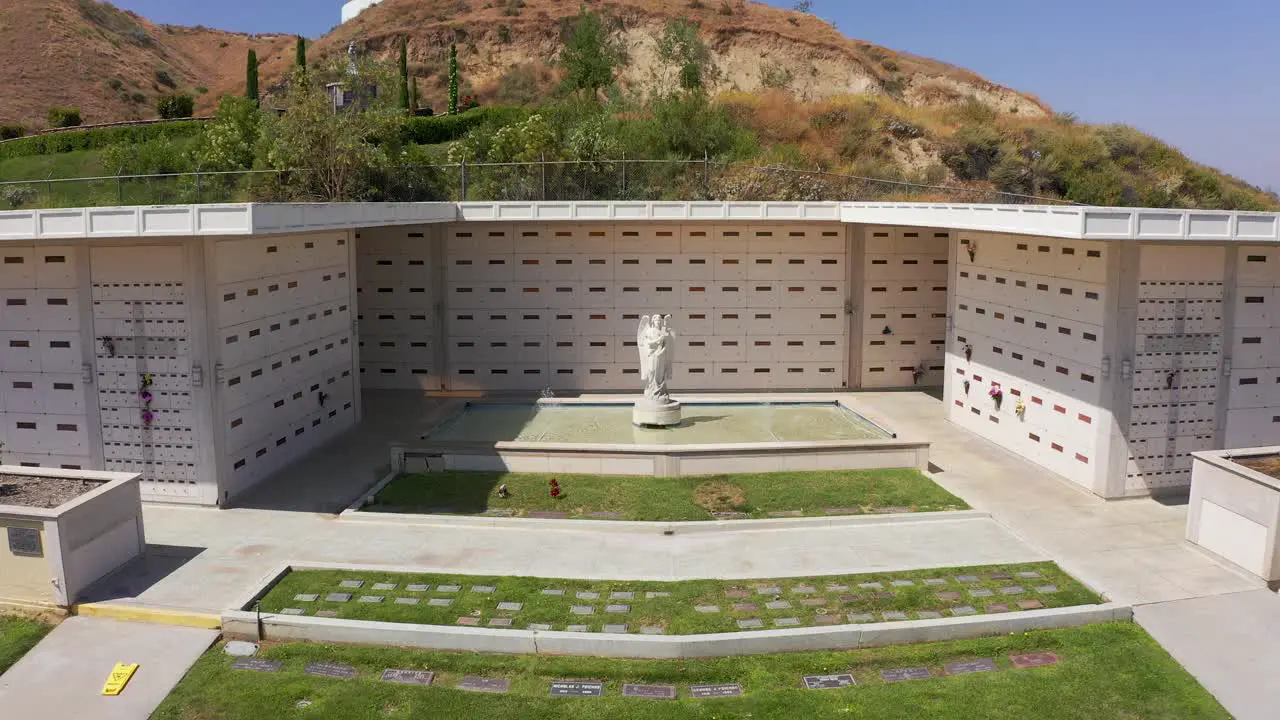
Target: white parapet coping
(1234, 510)
(271, 626)
(1064, 221)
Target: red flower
(554, 483)
(555, 492)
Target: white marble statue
(654, 339)
(656, 342)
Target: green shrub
(154, 157)
(175, 106)
(164, 79)
(447, 128)
(9, 132)
(115, 83)
(96, 138)
(972, 152)
(64, 117)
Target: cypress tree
(300, 54)
(404, 73)
(413, 95)
(453, 79)
(251, 77)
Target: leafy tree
(340, 156)
(590, 54)
(453, 79)
(405, 102)
(64, 117)
(681, 45)
(251, 77)
(228, 141)
(175, 105)
(300, 54)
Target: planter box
(1235, 511)
(49, 555)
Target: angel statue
(654, 339)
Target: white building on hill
(355, 7)
(208, 346)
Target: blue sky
(1200, 75)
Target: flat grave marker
(1047, 589)
(625, 595)
(702, 692)
(894, 615)
(778, 605)
(902, 583)
(576, 628)
(893, 675)
(871, 585)
(745, 607)
(337, 597)
(849, 598)
(293, 611)
(351, 584)
(1032, 660)
(475, 683)
(935, 581)
(1013, 590)
(768, 590)
(500, 622)
(327, 613)
(417, 588)
(804, 589)
(407, 677)
(786, 514)
(384, 586)
(513, 606)
(928, 614)
(997, 607)
(653, 630)
(652, 692)
(750, 624)
(615, 629)
(980, 592)
(483, 589)
(965, 667)
(618, 609)
(827, 619)
(576, 688)
(828, 682)
(967, 578)
(538, 626)
(813, 602)
(1030, 604)
(331, 670)
(439, 602)
(448, 588)
(737, 594)
(582, 610)
(707, 609)
(306, 597)
(370, 599)
(407, 601)
(837, 588)
(860, 617)
(1028, 574)
(786, 622)
(257, 664)
(963, 610)
(1000, 576)
(550, 591)
(654, 595)
(469, 621)
(588, 595)
(949, 595)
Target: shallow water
(702, 424)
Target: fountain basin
(598, 437)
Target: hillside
(109, 63)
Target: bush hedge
(96, 139)
(10, 132)
(64, 117)
(438, 129)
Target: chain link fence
(558, 180)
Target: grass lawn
(17, 636)
(808, 599)
(1105, 671)
(845, 492)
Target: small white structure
(49, 555)
(1234, 511)
(656, 342)
(355, 7)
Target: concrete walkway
(1218, 622)
(62, 677)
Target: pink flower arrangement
(148, 417)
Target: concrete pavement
(62, 677)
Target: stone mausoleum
(208, 346)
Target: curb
(238, 623)
(675, 528)
(155, 616)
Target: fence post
(464, 180)
(706, 174)
(542, 163)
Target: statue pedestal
(655, 413)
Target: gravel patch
(45, 493)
